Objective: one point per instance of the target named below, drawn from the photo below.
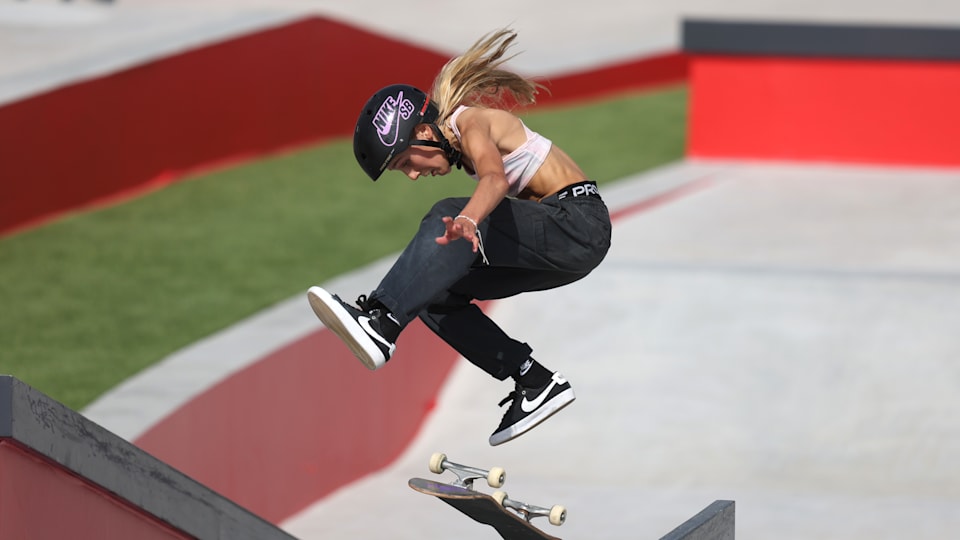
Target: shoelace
(363, 303)
(483, 253)
(512, 396)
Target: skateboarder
(534, 222)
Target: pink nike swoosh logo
(394, 125)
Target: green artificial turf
(93, 298)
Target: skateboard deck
(482, 508)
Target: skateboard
(510, 518)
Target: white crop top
(521, 164)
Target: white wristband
(468, 218)
(476, 228)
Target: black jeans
(531, 246)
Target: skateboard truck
(556, 514)
(495, 477)
(511, 519)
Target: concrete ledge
(116, 478)
(715, 522)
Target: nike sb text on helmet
(386, 124)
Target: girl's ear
(424, 132)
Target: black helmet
(385, 126)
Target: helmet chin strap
(454, 156)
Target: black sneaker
(530, 406)
(361, 329)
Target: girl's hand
(459, 228)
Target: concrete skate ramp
(783, 336)
(62, 476)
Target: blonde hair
(475, 78)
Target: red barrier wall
(149, 125)
(630, 75)
(840, 110)
(39, 500)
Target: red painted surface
(303, 421)
(40, 500)
(630, 75)
(867, 111)
(149, 125)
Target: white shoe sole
(339, 321)
(545, 411)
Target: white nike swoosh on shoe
(365, 324)
(530, 406)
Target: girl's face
(417, 161)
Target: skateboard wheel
(558, 515)
(496, 477)
(436, 462)
(499, 496)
